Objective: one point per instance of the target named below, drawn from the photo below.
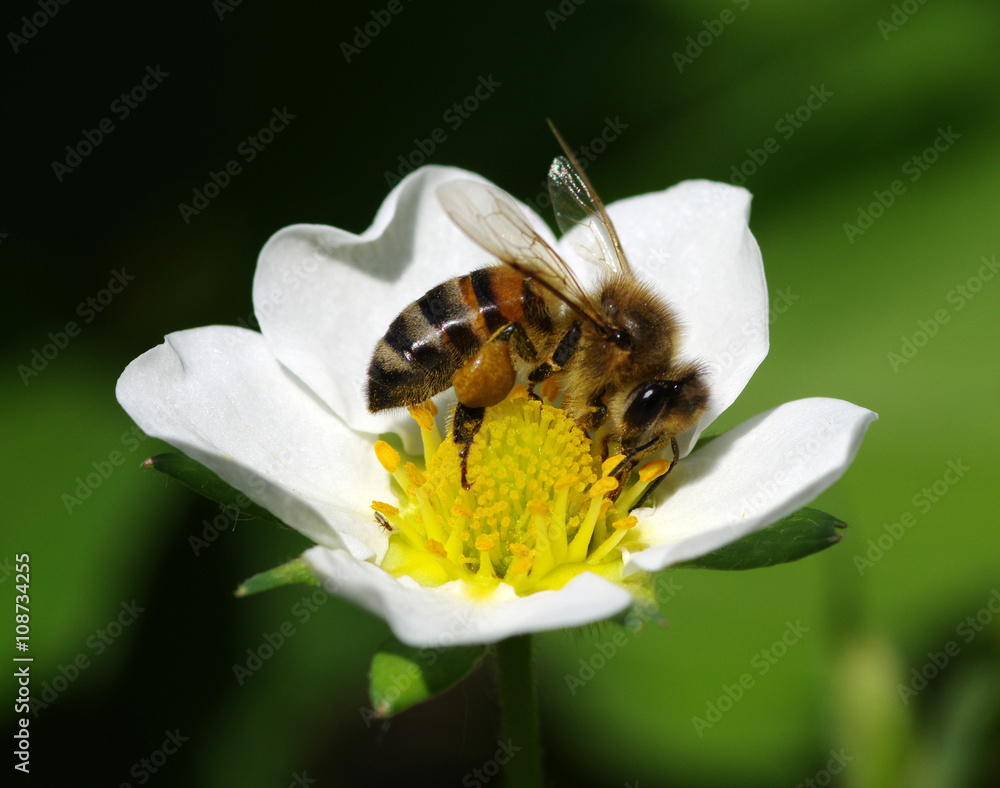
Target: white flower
(280, 415)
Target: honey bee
(614, 351)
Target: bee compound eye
(648, 401)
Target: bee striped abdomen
(443, 329)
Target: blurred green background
(703, 90)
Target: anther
(387, 456)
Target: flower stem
(519, 699)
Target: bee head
(663, 407)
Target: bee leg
(626, 466)
(597, 415)
(656, 482)
(560, 356)
(518, 337)
(465, 425)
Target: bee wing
(492, 219)
(578, 208)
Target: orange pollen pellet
(415, 476)
(566, 481)
(653, 470)
(385, 508)
(625, 523)
(611, 463)
(436, 548)
(422, 416)
(602, 487)
(387, 456)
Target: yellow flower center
(537, 514)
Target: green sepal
(205, 482)
(800, 534)
(295, 571)
(402, 676)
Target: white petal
(449, 616)
(751, 476)
(219, 396)
(693, 242)
(325, 296)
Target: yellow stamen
(422, 416)
(385, 508)
(602, 487)
(565, 482)
(648, 473)
(461, 510)
(416, 477)
(538, 507)
(653, 470)
(537, 515)
(611, 463)
(387, 456)
(485, 543)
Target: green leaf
(205, 482)
(295, 571)
(800, 534)
(402, 676)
